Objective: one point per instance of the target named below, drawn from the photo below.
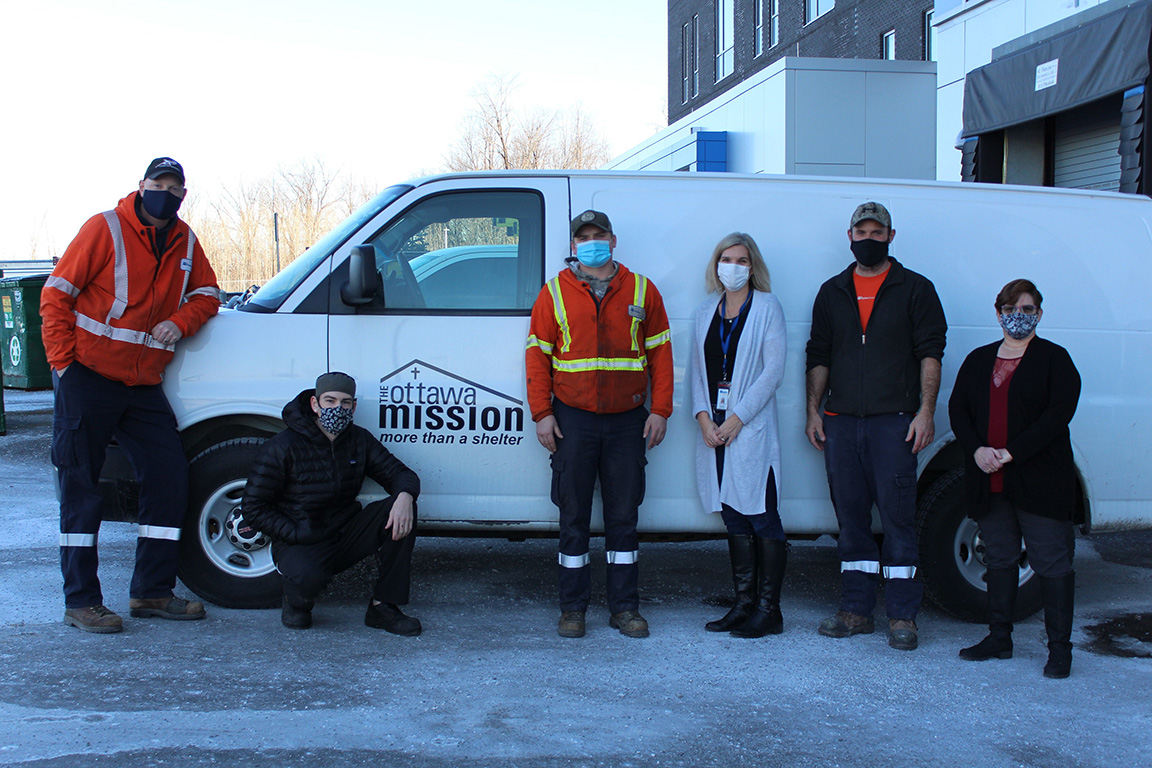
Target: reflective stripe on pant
(609, 447)
(869, 463)
(307, 568)
(89, 410)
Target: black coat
(302, 487)
(1042, 398)
(881, 375)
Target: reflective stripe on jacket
(599, 359)
(109, 291)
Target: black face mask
(160, 203)
(869, 253)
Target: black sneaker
(295, 618)
(390, 618)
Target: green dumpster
(25, 365)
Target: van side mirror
(363, 279)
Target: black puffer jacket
(302, 487)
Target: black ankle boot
(742, 554)
(1003, 584)
(766, 619)
(1058, 604)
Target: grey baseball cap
(595, 218)
(335, 381)
(873, 211)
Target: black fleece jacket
(302, 487)
(878, 373)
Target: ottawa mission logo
(420, 403)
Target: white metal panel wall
(1087, 144)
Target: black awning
(1101, 57)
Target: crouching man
(301, 493)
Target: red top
(866, 290)
(998, 413)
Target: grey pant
(1051, 543)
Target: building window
(757, 28)
(696, 55)
(725, 38)
(686, 62)
(690, 66)
(888, 48)
(929, 37)
(813, 9)
(773, 22)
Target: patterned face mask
(336, 419)
(1019, 325)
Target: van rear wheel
(952, 555)
(217, 562)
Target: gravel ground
(490, 684)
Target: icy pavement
(489, 683)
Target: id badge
(722, 396)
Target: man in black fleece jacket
(302, 491)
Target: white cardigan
(757, 375)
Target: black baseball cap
(164, 165)
(595, 218)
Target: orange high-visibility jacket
(102, 301)
(599, 359)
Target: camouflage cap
(873, 211)
(595, 218)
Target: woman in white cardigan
(737, 366)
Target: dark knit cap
(334, 381)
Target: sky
(92, 91)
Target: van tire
(210, 565)
(952, 555)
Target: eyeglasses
(1011, 309)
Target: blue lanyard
(726, 337)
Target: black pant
(307, 568)
(89, 410)
(609, 446)
(1051, 543)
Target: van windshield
(272, 294)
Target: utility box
(25, 364)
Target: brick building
(715, 44)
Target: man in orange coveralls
(132, 284)
(598, 332)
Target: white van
(424, 296)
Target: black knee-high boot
(766, 619)
(742, 554)
(1058, 595)
(1003, 584)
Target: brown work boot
(630, 623)
(94, 618)
(845, 624)
(571, 624)
(171, 607)
(902, 634)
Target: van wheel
(217, 562)
(952, 555)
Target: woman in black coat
(1010, 410)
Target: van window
(478, 250)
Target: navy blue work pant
(89, 411)
(307, 568)
(608, 446)
(870, 463)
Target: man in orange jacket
(132, 284)
(599, 336)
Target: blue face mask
(593, 253)
(160, 203)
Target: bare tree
(236, 228)
(498, 135)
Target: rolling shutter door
(1087, 146)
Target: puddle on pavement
(1128, 636)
